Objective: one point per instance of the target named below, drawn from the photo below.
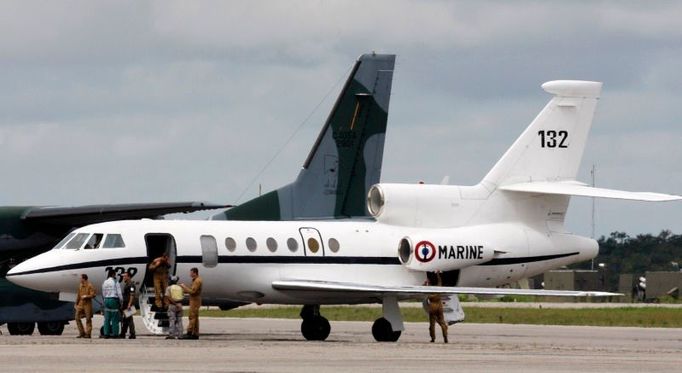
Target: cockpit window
(77, 241)
(63, 241)
(94, 241)
(113, 241)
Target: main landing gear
(51, 327)
(385, 329)
(389, 327)
(44, 327)
(21, 328)
(314, 326)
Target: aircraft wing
(575, 188)
(421, 291)
(84, 215)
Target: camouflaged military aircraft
(344, 162)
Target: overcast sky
(134, 101)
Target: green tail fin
(345, 159)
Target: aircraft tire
(316, 328)
(51, 328)
(383, 332)
(21, 328)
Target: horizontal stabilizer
(575, 188)
(421, 291)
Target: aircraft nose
(29, 275)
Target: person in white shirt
(111, 292)
(174, 309)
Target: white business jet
(507, 227)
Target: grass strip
(636, 317)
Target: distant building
(658, 284)
(567, 279)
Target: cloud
(174, 100)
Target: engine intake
(445, 249)
(416, 205)
(424, 255)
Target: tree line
(621, 253)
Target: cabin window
(292, 244)
(313, 245)
(272, 244)
(77, 241)
(94, 241)
(334, 245)
(230, 244)
(209, 251)
(113, 241)
(251, 244)
(63, 241)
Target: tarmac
(276, 345)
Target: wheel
(21, 328)
(316, 328)
(383, 332)
(51, 327)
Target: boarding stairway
(155, 321)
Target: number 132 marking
(553, 139)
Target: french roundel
(424, 251)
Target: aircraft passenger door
(158, 244)
(312, 242)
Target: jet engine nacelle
(446, 249)
(415, 205)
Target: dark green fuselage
(20, 240)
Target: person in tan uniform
(160, 267)
(194, 304)
(436, 312)
(86, 292)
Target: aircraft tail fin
(345, 160)
(551, 148)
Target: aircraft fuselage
(240, 260)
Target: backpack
(176, 293)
